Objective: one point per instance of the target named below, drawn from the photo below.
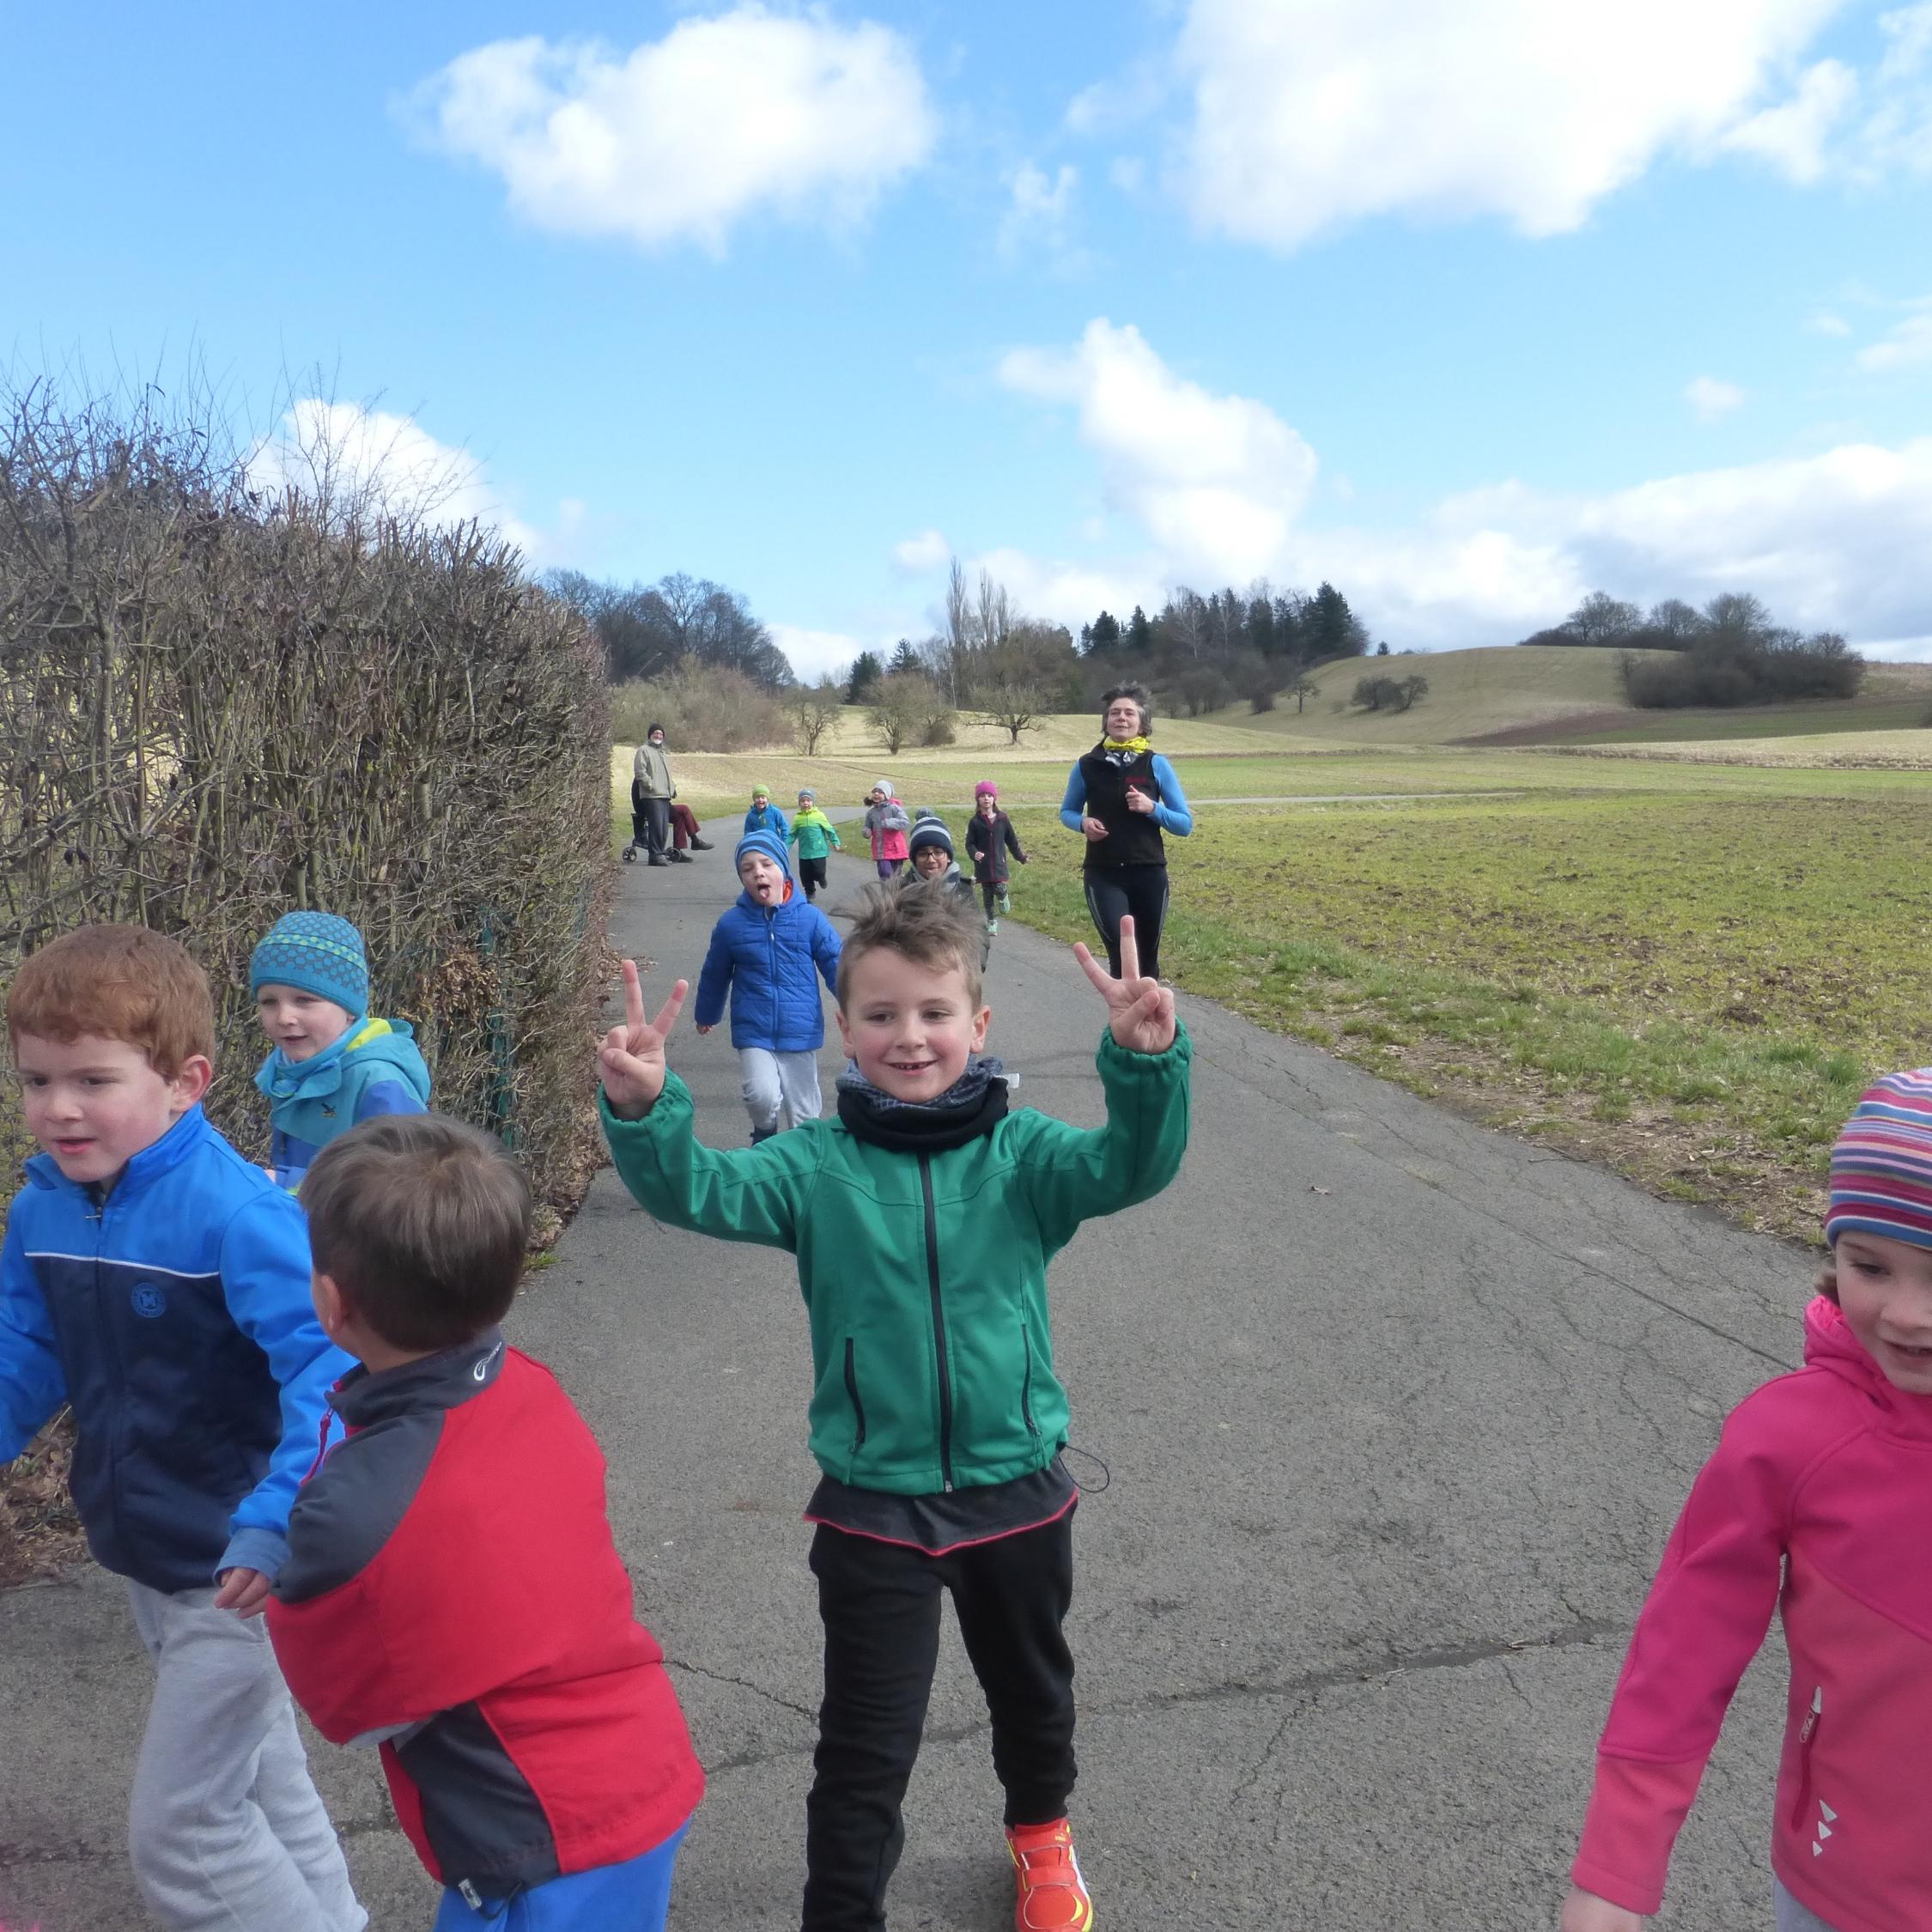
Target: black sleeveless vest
(1132, 837)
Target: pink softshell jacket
(1828, 1473)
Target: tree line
(1733, 652)
(648, 631)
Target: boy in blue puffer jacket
(767, 954)
(159, 1282)
(333, 1065)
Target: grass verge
(1691, 986)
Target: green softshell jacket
(924, 1275)
(815, 832)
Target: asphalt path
(1397, 1413)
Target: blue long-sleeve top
(1172, 812)
(174, 1315)
(770, 819)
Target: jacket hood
(1830, 1344)
(376, 1042)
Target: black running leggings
(1114, 892)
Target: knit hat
(884, 785)
(768, 845)
(928, 829)
(806, 791)
(314, 952)
(761, 791)
(985, 789)
(1882, 1165)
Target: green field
(1674, 948)
(1690, 984)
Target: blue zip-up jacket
(1172, 812)
(769, 959)
(771, 819)
(375, 1068)
(175, 1316)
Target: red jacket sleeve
(1701, 1624)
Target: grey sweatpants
(779, 1090)
(225, 1830)
(1794, 1918)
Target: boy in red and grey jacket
(452, 1589)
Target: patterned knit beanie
(1882, 1165)
(929, 829)
(768, 845)
(314, 952)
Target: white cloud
(1824, 323)
(1709, 398)
(1896, 137)
(1310, 114)
(1906, 344)
(1833, 540)
(917, 555)
(1039, 211)
(813, 653)
(1216, 480)
(1792, 135)
(351, 455)
(681, 139)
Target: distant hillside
(1551, 693)
(1472, 695)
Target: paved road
(1397, 1413)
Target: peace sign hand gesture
(631, 1058)
(1140, 1011)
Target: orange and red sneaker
(1053, 1896)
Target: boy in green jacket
(816, 838)
(923, 1218)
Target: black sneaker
(678, 858)
(657, 859)
(701, 845)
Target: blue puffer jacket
(175, 1317)
(770, 960)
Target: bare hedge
(216, 706)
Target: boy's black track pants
(880, 1603)
(812, 872)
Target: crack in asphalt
(1309, 1686)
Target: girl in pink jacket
(1817, 1504)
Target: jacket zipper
(1807, 1736)
(851, 1390)
(939, 1320)
(1026, 1387)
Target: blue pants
(633, 1897)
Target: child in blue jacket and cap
(767, 954)
(333, 1065)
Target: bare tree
(900, 706)
(994, 619)
(1302, 690)
(814, 709)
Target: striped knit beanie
(1882, 1165)
(768, 845)
(929, 829)
(314, 952)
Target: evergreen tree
(867, 671)
(1139, 632)
(905, 658)
(1103, 634)
(1331, 630)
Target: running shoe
(1052, 1895)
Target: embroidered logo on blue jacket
(148, 1300)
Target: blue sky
(1470, 306)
